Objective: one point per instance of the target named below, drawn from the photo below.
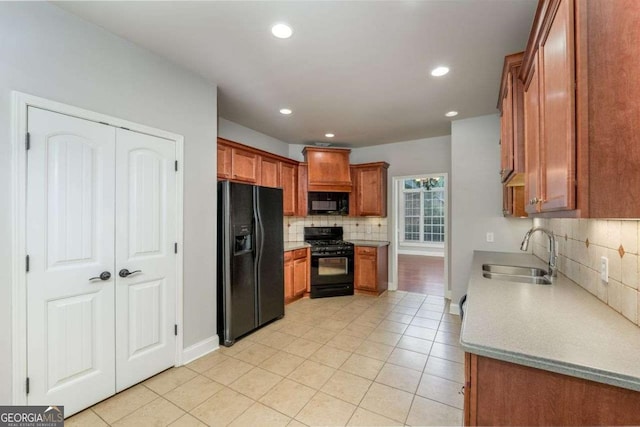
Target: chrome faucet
(552, 247)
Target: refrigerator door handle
(259, 233)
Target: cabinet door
(289, 184)
(269, 172)
(532, 140)
(288, 275)
(300, 275)
(370, 192)
(506, 131)
(558, 111)
(366, 268)
(224, 162)
(244, 166)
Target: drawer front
(365, 250)
(288, 255)
(300, 253)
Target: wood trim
(371, 164)
(325, 150)
(257, 151)
(534, 40)
(511, 64)
(581, 108)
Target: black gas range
(331, 262)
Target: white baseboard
(454, 309)
(199, 349)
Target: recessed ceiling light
(439, 71)
(451, 114)
(329, 135)
(281, 31)
(285, 111)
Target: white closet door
(145, 237)
(70, 227)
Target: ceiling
(358, 69)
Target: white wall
(476, 198)
(50, 53)
(243, 135)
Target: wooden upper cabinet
(302, 208)
(510, 105)
(612, 130)
(557, 77)
(581, 60)
(289, 184)
(370, 189)
(328, 169)
(245, 166)
(224, 162)
(269, 172)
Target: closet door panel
(145, 238)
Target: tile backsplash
(582, 243)
(360, 228)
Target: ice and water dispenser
(243, 238)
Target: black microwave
(328, 203)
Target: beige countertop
(560, 327)
(374, 243)
(290, 246)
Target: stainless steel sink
(535, 280)
(514, 270)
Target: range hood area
(328, 169)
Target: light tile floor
(358, 360)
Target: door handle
(124, 272)
(105, 275)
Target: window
(423, 206)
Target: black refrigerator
(250, 259)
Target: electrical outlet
(368, 228)
(604, 269)
(490, 238)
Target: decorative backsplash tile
(582, 243)
(354, 228)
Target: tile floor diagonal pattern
(356, 360)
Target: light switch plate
(490, 237)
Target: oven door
(327, 269)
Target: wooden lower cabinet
(296, 274)
(503, 393)
(371, 269)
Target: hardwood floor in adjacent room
(421, 274)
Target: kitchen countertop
(560, 327)
(290, 246)
(374, 243)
